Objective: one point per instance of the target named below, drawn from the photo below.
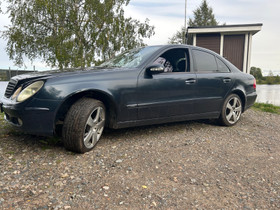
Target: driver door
(170, 93)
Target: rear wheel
(83, 125)
(231, 111)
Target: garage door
(209, 41)
(234, 49)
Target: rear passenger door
(213, 81)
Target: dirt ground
(187, 165)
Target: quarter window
(205, 62)
(221, 66)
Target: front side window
(205, 62)
(174, 60)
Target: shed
(234, 42)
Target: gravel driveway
(188, 165)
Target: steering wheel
(181, 65)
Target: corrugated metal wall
(234, 49)
(209, 41)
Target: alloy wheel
(94, 127)
(233, 110)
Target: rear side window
(222, 67)
(205, 62)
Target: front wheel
(231, 111)
(83, 125)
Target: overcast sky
(168, 16)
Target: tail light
(255, 84)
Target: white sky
(168, 16)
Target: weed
(58, 161)
(45, 147)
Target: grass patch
(49, 142)
(1, 116)
(267, 108)
(4, 126)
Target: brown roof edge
(227, 26)
(240, 28)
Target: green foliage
(267, 108)
(71, 33)
(177, 38)
(203, 16)
(270, 79)
(1, 116)
(256, 72)
(270, 74)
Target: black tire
(83, 125)
(231, 111)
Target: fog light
(20, 122)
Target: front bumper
(38, 120)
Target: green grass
(267, 108)
(1, 116)
(6, 129)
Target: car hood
(64, 72)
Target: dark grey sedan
(148, 85)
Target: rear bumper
(251, 98)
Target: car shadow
(113, 135)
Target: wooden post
(10, 73)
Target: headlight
(29, 91)
(16, 93)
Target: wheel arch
(241, 95)
(64, 107)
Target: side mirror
(154, 69)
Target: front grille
(10, 88)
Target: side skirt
(126, 124)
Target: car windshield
(132, 58)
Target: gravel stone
(186, 165)
(106, 188)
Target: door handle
(227, 80)
(190, 81)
